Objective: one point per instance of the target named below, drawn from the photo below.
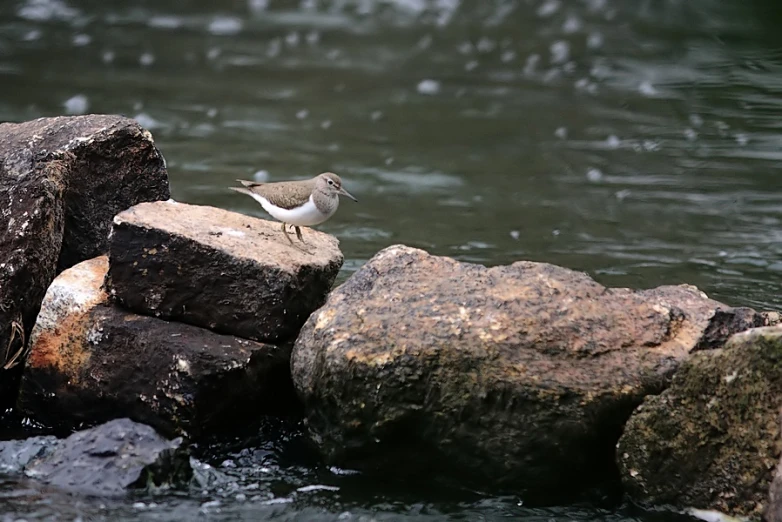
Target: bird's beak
(346, 193)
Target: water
(637, 140)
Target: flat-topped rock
(520, 377)
(219, 270)
(91, 361)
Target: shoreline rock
(112, 164)
(519, 377)
(91, 361)
(217, 269)
(712, 439)
(109, 459)
(61, 182)
(30, 238)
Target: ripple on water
(412, 179)
(47, 10)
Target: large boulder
(218, 269)
(113, 164)
(91, 361)
(712, 439)
(106, 460)
(519, 376)
(62, 180)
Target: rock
(219, 270)
(16, 455)
(112, 165)
(62, 180)
(519, 377)
(726, 322)
(91, 361)
(711, 440)
(773, 511)
(31, 231)
(106, 460)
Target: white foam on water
(78, 104)
(316, 487)
(146, 59)
(560, 51)
(225, 26)
(594, 175)
(429, 87)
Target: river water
(637, 140)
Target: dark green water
(638, 140)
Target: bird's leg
(284, 231)
(298, 234)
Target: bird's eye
(331, 182)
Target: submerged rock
(219, 270)
(62, 180)
(517, 376)
(91, 361)
(16, 455)
(106, 460)
(712, 440)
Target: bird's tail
(249, 183)
(241, 190)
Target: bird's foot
(298, 235)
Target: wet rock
(112, 165)
(712, 440)
(219, 270)
(91, 361)
(106, 460)
(62, 180)
(16, 455)
(518, 376)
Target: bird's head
(330, 183)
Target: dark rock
(726, 322)
(62, 180)
(31, 230)
(519, 376)
(219, 270)
(711, 440)
(91, 361)
(112, 165)
(106, 460)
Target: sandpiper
(299, 203)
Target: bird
(298, 203)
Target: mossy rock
(711, 440)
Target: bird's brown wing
(283, 194)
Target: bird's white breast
(303, 216)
